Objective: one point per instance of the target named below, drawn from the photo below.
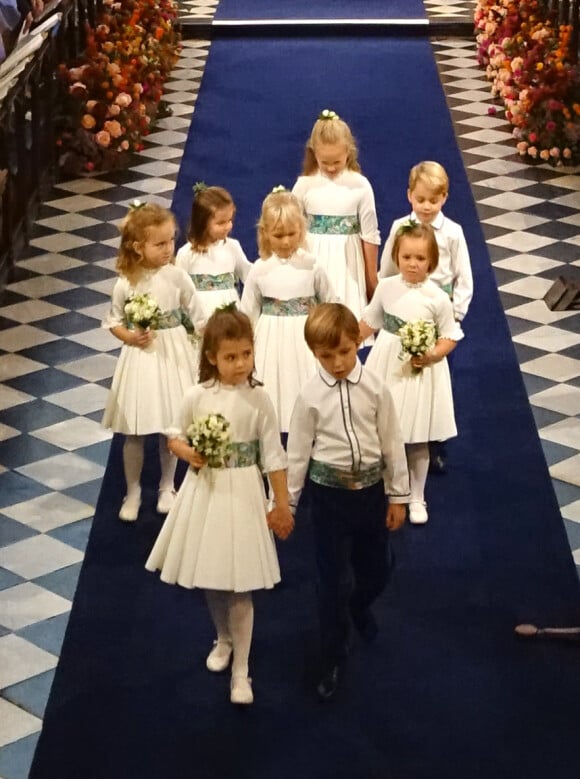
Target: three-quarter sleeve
(272, 454)
(251, 302)
(373, 313)
(116, 314)
(242, 266)
(367, 214)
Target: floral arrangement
(416, 338)
(113, 94)
(210, 436)
(142, 310)
(528, 59)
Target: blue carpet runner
(320, 9)
(446, 692)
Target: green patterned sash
(242, 454)
(333, 225)
(448, 288)
(329, 476)
(204, 282)
(291, 307)
(392, 323)
(166, 321)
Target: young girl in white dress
(339, 202)
(216, 535)
(281, 288)
(215, 262)
(421, 386)
(157, 362)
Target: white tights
(233, 616)
(418, 463)
(133, 456)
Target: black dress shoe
(328, 684)
(366, 624)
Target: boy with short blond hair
(346, 440)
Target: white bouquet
(210, 436)
(141, 310)
(416, 338)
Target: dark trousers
(351, 545)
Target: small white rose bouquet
(210, 436)
(142, 310)
(416, 339)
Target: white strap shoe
(165, 501)
(241, 690)
(220, 656)
(418, 512)
(130, 508)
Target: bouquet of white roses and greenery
(142, 310)
(210, 436)
(416, 339)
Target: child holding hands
(281, 288)
(157, 363)
(345, 438)
(339, 202)
(420, 385)
(216, 536)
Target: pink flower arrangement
(527, 57)
(113, 94)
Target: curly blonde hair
(330, 131)
(134, 233)
(283, 209)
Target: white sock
(168, 465)
(418, 463)
(241, 620)
(133, 454)
(218, 605)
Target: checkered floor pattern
(56, 362)
(453, 10)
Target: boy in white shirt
(427, 193)
(345, 438)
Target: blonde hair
(205, 204)
(330, 131)
(432, 174)
(134, 230)
(225, 323)
(327, 322)
(279, 208)
(417, 230)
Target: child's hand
(140, 338)
(195, 459)
(423, 360)
(396, 515)
(281, 522)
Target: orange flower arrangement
(113, 94)
(529, 61)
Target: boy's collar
(353, 377)
(436, 224)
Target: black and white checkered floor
(56, 362)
